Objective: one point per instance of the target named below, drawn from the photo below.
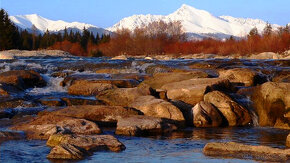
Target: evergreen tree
(267, 30)
(253, 32)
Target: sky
(105, 13)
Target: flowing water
(181, 146)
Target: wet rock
(235, 114)
(192, 91)
(8, 90)
(67, 151)
(288, 141)
(271, 102)
(143, 126)
(87, 142)
(113, 71)
(122, 96)
(44, 126)
(61, 74)
(96, 113)
(160, 79)
(237, 150)
(51, 101)
(159, 108)
(283, 76)
(22, 79)
(152, 69)
(239, 76)
(69, 80)
(71, 101)
(11, 102)
(206, 115)
(10, 135)
(88, 88)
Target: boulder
(206, 115)
(87, 142)
(160, 79)
(44, 126)
(51, 101)
(237, 150)
(288, 141)
(96, 113)
(122, 96)
(271, 102)
(235, 114)
(151, 106)
(10, 102)
(66, 151)
(143, 126)
(88, 88)
(22, 79)
(192, 91)
(240, 76)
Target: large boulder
(96, 113)
(151, 106)
(44, 126)
(206, 115)
(235, 114)
(143, 126)
(22, 79)
(271, 102)
(237, 150)
(192, 91)
(160, 79)
(122, 96)
(87, 142)
(88, 88)
(240, 76)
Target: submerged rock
(143, 126)
(192, 91)
(22, 79)
(271, 102)
(151, 106)
(87, 142)
(235, 114)
(206, 115)
(237, 150)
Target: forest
(157, 38)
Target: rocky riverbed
(112, 109)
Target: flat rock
(192, 91)
(143, 126)
(206, 115)
(237, 150)
(88, 88)
(22, 79)
(151, 106)
(271, 102)
(96, 113)
(160, 79)
(66, 151)
(122, 96)
(235, 114)
(87, 142)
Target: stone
(96, 113)
(235, 114)
(237, 150)
(143, 126)
(87, 142)
(22, 79)
(240, 76)
(160, 79)
(206, 115)
(192, 91)
(282, 76)
(44, 126)
(71, 101)
(288, 141)
(122, 96)
(88, 88)
(151, 106)
(66, 151)
(271, 102)
(51, 101)
(10, 102)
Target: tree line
(156, 38)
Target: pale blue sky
(105, 13)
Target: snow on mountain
(43, 24)
(197, 22)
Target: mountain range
(197, 24)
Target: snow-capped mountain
(42, 24)
(197, 23)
